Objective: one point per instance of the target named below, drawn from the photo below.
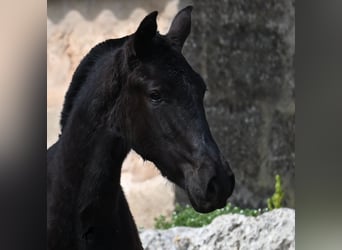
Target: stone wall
(244, 50)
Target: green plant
(277, 198)
(161, 223)
(187, 216)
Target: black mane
(82, 72)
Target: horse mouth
(205, 206)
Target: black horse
(137, 92)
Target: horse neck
(93, 156)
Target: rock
(273, 230)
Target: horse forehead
(169, 67)
(175, 78)
(172, 68)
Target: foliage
(276, 200)
(187, 216)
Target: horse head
(162, 113)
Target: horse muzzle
(211, 191)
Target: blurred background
(244, 51)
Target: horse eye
(155, 96)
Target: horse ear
(180, 27)
(145, 32)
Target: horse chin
(203, 206)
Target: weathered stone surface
(244, 51)
(274, 230)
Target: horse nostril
(212, 187)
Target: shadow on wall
(91, 9)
